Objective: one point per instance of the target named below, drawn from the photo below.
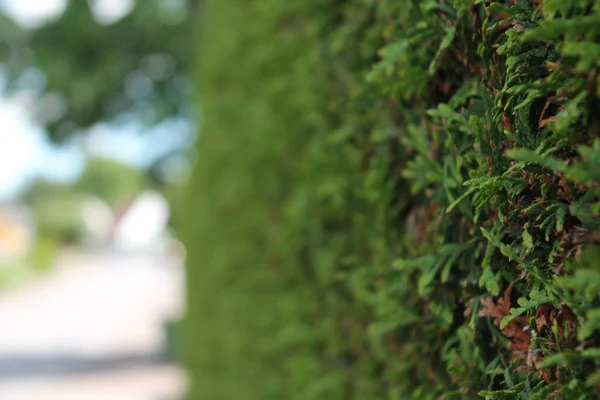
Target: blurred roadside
(96, 128)
(93, 290)
(109, 208)
(93, 329)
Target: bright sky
(32, 13)
(24, 150)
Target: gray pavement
(92, 329)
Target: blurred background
(95, 130)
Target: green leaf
(444, 45)
(527, 239)
(529, 156)
(591, 324)
(536, 299)
(488, 279)
(501, 8)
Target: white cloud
(109, 11)
(33, 13)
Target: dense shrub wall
(396, 200)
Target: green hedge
(396, 200)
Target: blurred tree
(110, 180)
(57, 211)
(40, 190)
(95, 71)
(12, 35)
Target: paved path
(91, 330)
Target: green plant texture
(396, 200)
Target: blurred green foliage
(41, 257)
(44, 252)
(110, 181)
(92, 72)
(396, 200)
(57, 211)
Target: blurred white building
(143, 225)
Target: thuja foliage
(396, 200)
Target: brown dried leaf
(547, 121)
(542, 318)
(515, 330)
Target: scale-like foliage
(397, 200)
